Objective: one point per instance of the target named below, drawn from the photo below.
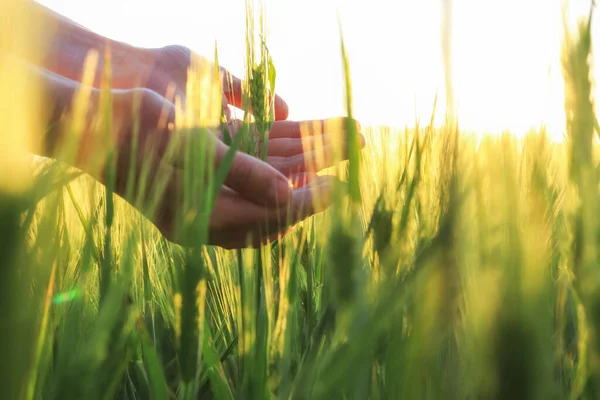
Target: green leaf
(156, 377)
(353, 146)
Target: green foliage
(446, 268)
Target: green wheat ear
(353, 146)
(260, 75)
(257, 100)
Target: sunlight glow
(506, 66)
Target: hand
(256, 200)
(300, 149)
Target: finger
(232, 87)
(234, 218)
(286, 139)
(254, 179)
(299, 129)
(286, 147)
(311, 161)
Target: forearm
(69, 116)
(68, 45)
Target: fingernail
(281, 190)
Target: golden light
(505, 55)
(21, 98)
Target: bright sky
(506, 65)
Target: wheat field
(449, 266)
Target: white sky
(505, 53)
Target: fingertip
(303, 179)
(281, 109)
(280, 189)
